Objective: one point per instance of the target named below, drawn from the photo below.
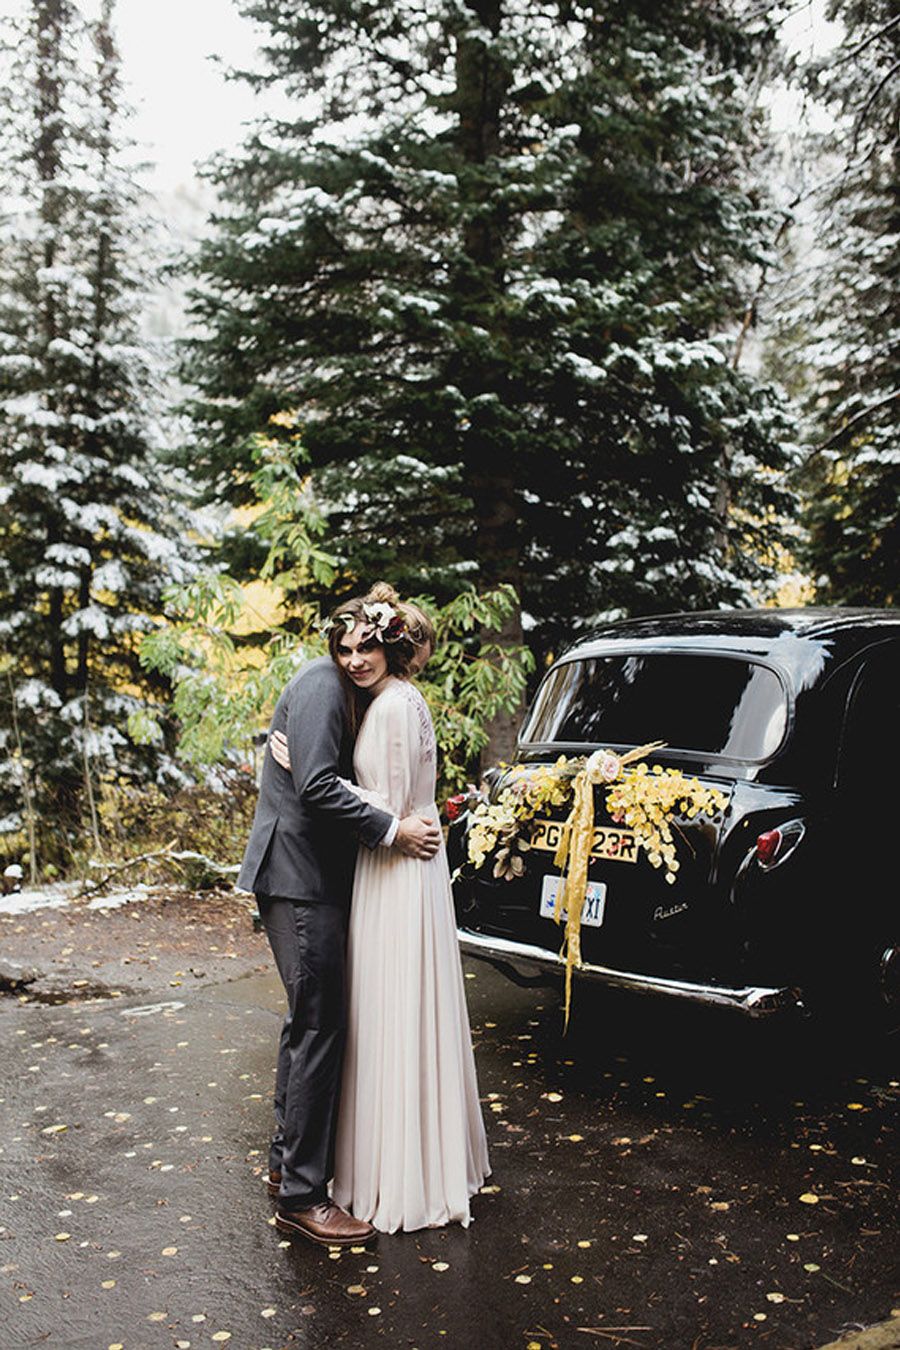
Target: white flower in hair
(380, 614)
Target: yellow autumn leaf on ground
(440, 1265)
(523, 1279)
(775, 1298)
(855, 1106)
(63, 1237)
(807, 1198)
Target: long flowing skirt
(410, 1148)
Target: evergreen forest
(545, 313)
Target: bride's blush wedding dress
(410, 1148)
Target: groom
(299, 863)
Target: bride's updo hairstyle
(407, 636)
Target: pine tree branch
(861, 116)
(854, 421)
(866, 42)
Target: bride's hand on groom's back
(279, 748)
(418, 837)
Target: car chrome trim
(753, 1000)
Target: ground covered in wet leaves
(662, 1178)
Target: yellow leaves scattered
(170, 1251)
(523, 1279)
(374, 1312)
(808, 1198)
(775, 1297)
(62, 1237)
(107, 1284)
(721, 1206)
(270, 1312)
(54, 1129)
(576, 1138)
(440, 1265)
(552, 1096)
(220, 1336)
(355, 1289)
(855, 1106)
(576, 1279)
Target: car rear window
(714, 704)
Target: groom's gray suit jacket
(303, 842)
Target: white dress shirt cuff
(391, 835)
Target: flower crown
(386, 624)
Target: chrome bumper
(754, 1000)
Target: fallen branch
(166, 854)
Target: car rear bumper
(752, 1000)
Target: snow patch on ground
(61, 894)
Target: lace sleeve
(427, 742)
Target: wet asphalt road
(662, 1178)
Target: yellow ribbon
(576, 845)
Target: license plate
(609, 841)
(594, 901)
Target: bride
(410, 1148)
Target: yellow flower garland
(644, 798)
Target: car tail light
(773, 847)
(767, 845)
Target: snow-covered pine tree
(853, 479)
(86, 545)
(499, 285)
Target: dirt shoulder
(124, 943)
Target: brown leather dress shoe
(273, 1183)
(326, 1224)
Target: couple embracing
(378, 1123)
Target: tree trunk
(482, 81)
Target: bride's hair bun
(382, 593)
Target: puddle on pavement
(27, 988)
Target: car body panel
(728, 922)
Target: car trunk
(634, 919)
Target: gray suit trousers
(308, 941)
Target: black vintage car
(788, 896)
